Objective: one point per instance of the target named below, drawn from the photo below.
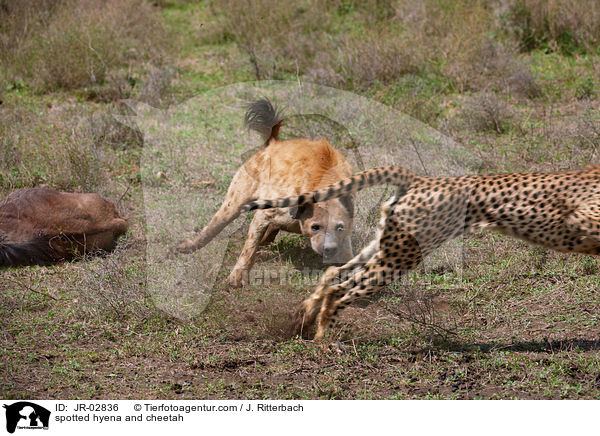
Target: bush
(495, 67)
(21, 19)
(355, 45)
(565, 25)
(65, 148)
(74, 43)
(113, 288)
(286, 39)
(487, 112)
(376, 58)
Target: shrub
(355, 45)
(495, 67)
(73, 43)
(485, 111)
(376, 57)
(65, 148)
(21, 19)
(277, 38)
(565, 25)
(113, 288)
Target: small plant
(113, 288)
(586, 89)
(486, 111)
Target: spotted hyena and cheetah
(559, 210)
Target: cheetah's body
(560, 211)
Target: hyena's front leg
(218, 222)
(258, 227)
(241, 188)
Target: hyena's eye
(315, 227)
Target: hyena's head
(329, 227)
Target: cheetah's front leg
(383, 268)
(310, 307)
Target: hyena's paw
(237, 278)
(186, 246)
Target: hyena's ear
(301, 212)
(348, 202)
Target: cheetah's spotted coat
(560, 211)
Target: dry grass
(277, 39)
(379, 57)
(496, 67)
(305, 40)
(487, 112)
(395, 39)
(105, 131)
(501, 320)
(553, 25)
(65, 44)
(114, 287)
(61, 147)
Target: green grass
(513, 322)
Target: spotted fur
(559, 210)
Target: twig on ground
(33, 290)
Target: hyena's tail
(264, 118)
(392, 175)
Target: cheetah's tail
(375, 176)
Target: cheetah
(284, 167)
(558, 210)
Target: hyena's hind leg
(240, 192)
(270, 235)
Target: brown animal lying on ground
(40, 226)
(284, 168)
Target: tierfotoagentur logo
(27, 416)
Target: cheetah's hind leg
(585, 222)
